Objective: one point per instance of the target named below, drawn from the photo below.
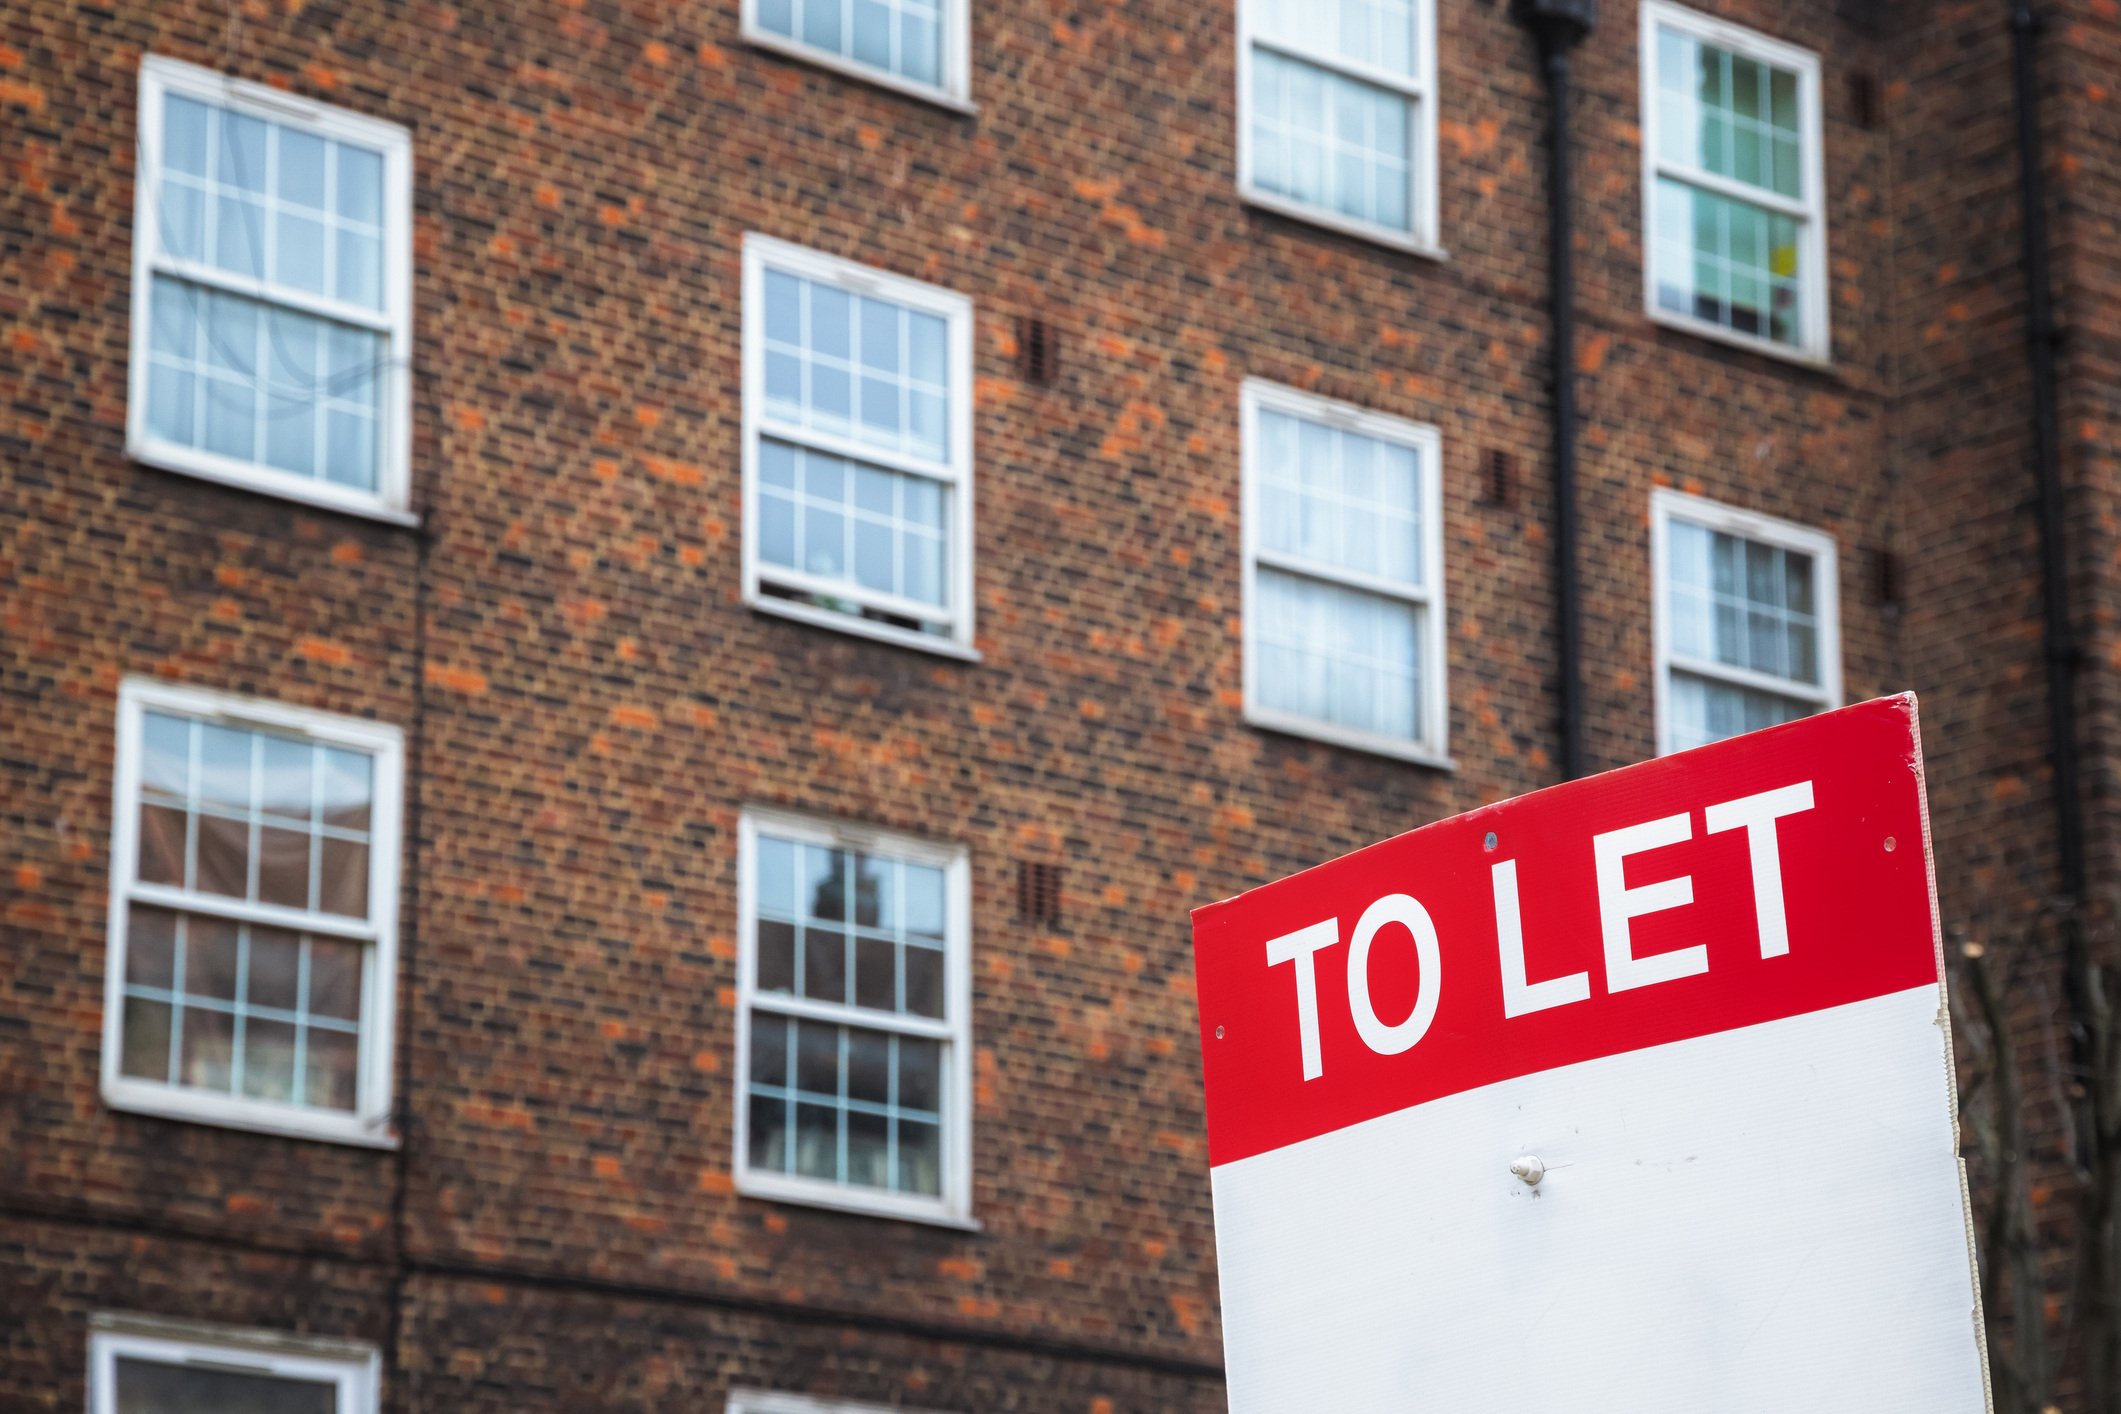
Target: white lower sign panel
(1745, 1215)
(1717, 1045)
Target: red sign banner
(1768, 877)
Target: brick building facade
(582, 631)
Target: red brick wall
(596, 705)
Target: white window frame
(953, 93)
(759, 1401)
(953, 1206)
(352, 1368)
(1420, 238)
(1666, 506)
(1810, 210)
(161, 76)
(1261, 396)
(370, 1123)
(762, 253)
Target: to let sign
(1696, 1005)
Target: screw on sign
(1678, 1005)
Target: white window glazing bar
(1409, 85)
(1334, 574)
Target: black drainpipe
(1559, 25)
(2040, 338)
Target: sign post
(1632, 1094)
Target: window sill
(1289, 724)
(226, 472)
(795, 49)
(1401, 241)
(223, 1112)
(1702, 328)
(811, 1193)
(862, 628)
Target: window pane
(185, 135)
(350, 449)
(769, 1049)
(880, 323)
(876, 974)
(817, 1058)
(825, 883)
(211, 946)
(174, 319)
(342, 877)
(172, 405)
(223, 847)
(301, 169)
(923, 901)
(347, 789)
(264, 1012)
(1742, 602)
(831, 321)
(330, 1078)
(924, 981)
(817, 1133)
(860, 524)
(1703, 710)
(231, 419)
(920, 53)
(920, 1070)
(146, 1387)
(239, 236)
(1728, 262)
(875, 371)
(290, 436)
(1331, 140)
(145, 1052)
(1733, 116)
(269, 1059)
(851, 1080)
(358, 265)
(283, 779)
(824, 964)
(283, 867)
(776, 877)
(242, 152)
(777, 466)
(221, 337)
(1379, 33)
(776, 956)
(862, 367)
(1338, 655)
(161, 845)
(920, 1149)
(769, 1133)
(298, 252)
(150, 947)
(275, 969)
(1340, 498)
(821, 25)
(869, 1066)
(893, 36)
(868, 1149)
(208, 1050)
(360, 197)
(925, 344)
(182, 219)
(335, 978)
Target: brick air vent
(1038, 892)
(1885, 576)
(1498, 478)
(1863, 99)
(1037, 350)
